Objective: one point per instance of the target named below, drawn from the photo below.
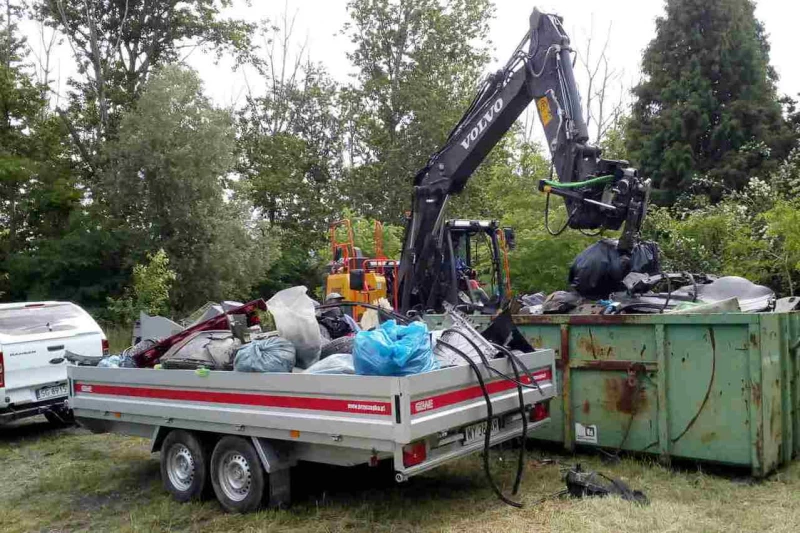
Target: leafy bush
(149, 291)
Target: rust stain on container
(586, 407)
(756, 388)
(621, 396)
(705, 438)
(536, 342)
(754, 340)
(591, 347)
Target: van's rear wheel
(184, 465)
(237, 476)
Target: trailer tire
(184, 465)
(237, 475)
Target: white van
(33, 373)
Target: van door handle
(55, 348)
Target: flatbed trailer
(241, 433)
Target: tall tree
(37, 192)
(290, 140)
(707, 104)
(166, 185)
(417, 66)
(117, 43)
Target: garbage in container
(394, 350)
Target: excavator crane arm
(598, 193)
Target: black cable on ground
(489, 415)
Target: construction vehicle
(355, 277)
(598, 193)
(481, 258)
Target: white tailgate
(28, 356)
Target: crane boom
(598, 193)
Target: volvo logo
(485, 120)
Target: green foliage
(118, 43)
(417, 67)
(290, 145)
(707, 104)
(754, 234)
(149, 291)
(37, 190)
(166, 184)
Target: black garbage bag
(599, 269)
(645, 258)
(582, 483)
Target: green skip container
(721, 388)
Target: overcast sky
(319, 23)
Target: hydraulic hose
(489, 415)
(578, 184)
(519, 384)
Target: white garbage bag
(295, 318)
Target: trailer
(242, 433)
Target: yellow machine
(354, 277)
(360, 279)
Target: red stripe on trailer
(237, 398)
(463, 395)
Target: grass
(71, 480)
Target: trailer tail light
(2, 372)
(105, 347)
(540, 411)
(414, 453)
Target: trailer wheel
(236, 475)
(184, 465)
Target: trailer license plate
(478, 431)
(51, 392)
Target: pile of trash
(605, 282)
(307, 338)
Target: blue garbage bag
(394, 350)
(273, 354)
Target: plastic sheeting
(338, 363)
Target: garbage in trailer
(394, 350)
(460, 334)
(213, 350)
(296, 321)
(116, 361)
(336, 324)
(273, 354)
(151, 356)
(338, 363)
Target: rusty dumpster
(722, 388)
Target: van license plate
(51, 392)
(478, 431)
